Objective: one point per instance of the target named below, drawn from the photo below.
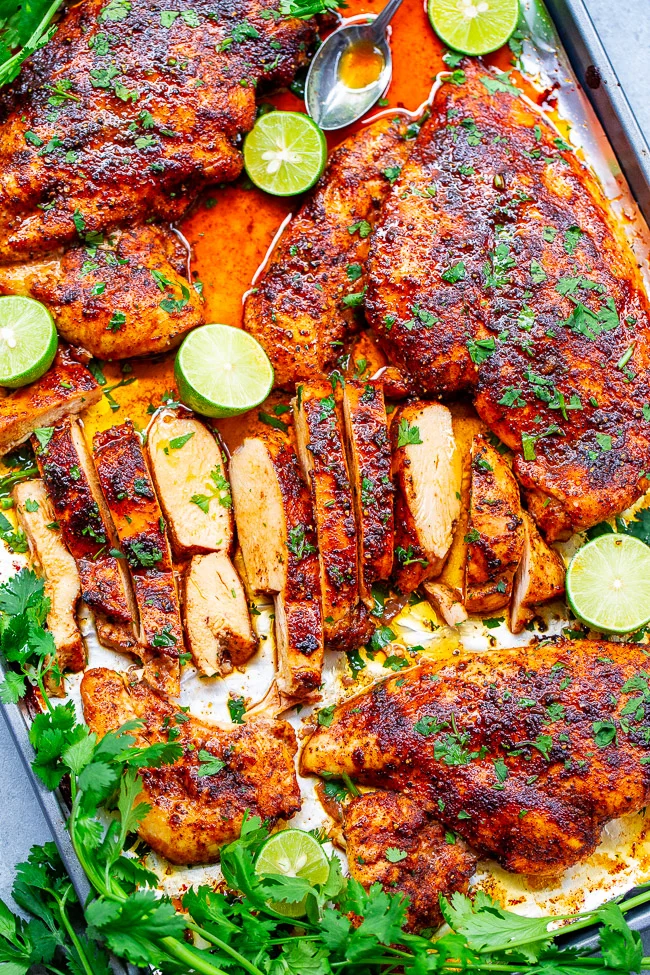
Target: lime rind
(28, 340)
(222, 371)
(474, 27)
(285, 154)
(608, 584)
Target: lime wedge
(285, 153)
(222, 371)
(293, 853)
(473, 26)
(608, 583)
(28, 340)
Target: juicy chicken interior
(131, 298)
(153, 109)
(497, 266)
(275, 524)
(302, 308)
(538, 579)
(192, 813)
(128, 491)
(525, 753)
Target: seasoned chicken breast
(189, 471)
(129, 298)
(369, 464)
(217, 620)
(497, 265)
(525, 753)
(538, 579)
(197, 807)
(152, 107)
(319, 436)
(66, 388)
(71, 481)
(275, 525)
(303, 307)
(393, 841)
(495, 530)
(128, 491)
(51, 558)
(427, 476)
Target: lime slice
(608, 583)
(222, 371)
(285, 153)
(473, 26)
(292, 853)
(28, 340)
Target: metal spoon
(330, 102)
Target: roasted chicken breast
(195, 811)
(525, 753)
(538, 579)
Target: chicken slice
(495, 530)
(128, 491)
(66, 388)
(538, 579)
(365, 360)
(427, 476)
(304, 304)
(88, 532)
(189, 470)
(446, 602)
(275, 525)
(394, 841)
(130, 299)
(51, 557)
(217, 620)
(526, 753)
(192, 813)
(319, 436)
(369, 463)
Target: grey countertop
(625, 32)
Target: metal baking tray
(571, 24)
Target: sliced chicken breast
(189, 471)
(538, 579)
(427, 474)
(275, 526)
(62, 584)
(88, 532)
(369, 463)
(66, 388)
(128, 491)
(495, 530)
(217, 620)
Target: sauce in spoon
(360, 65)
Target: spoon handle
(381, 22)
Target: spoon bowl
(330, 99)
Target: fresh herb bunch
(345, 928)
(24, 28)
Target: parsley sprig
(24, 28)
(346, 928)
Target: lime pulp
(473, 26)
(293, 853)
(28, 340)
(222, 371)
(285, 153)
(608, 583)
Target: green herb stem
(191, 957)
(218, 943)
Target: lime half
(28, 340)
(293, 853)
(285, 153)
(608, 583)
(222, 371)
(473, 26)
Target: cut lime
(28, 340)
(293, 853)
(222, 371)
(608, 583)
(473, 26)
(285, 153)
